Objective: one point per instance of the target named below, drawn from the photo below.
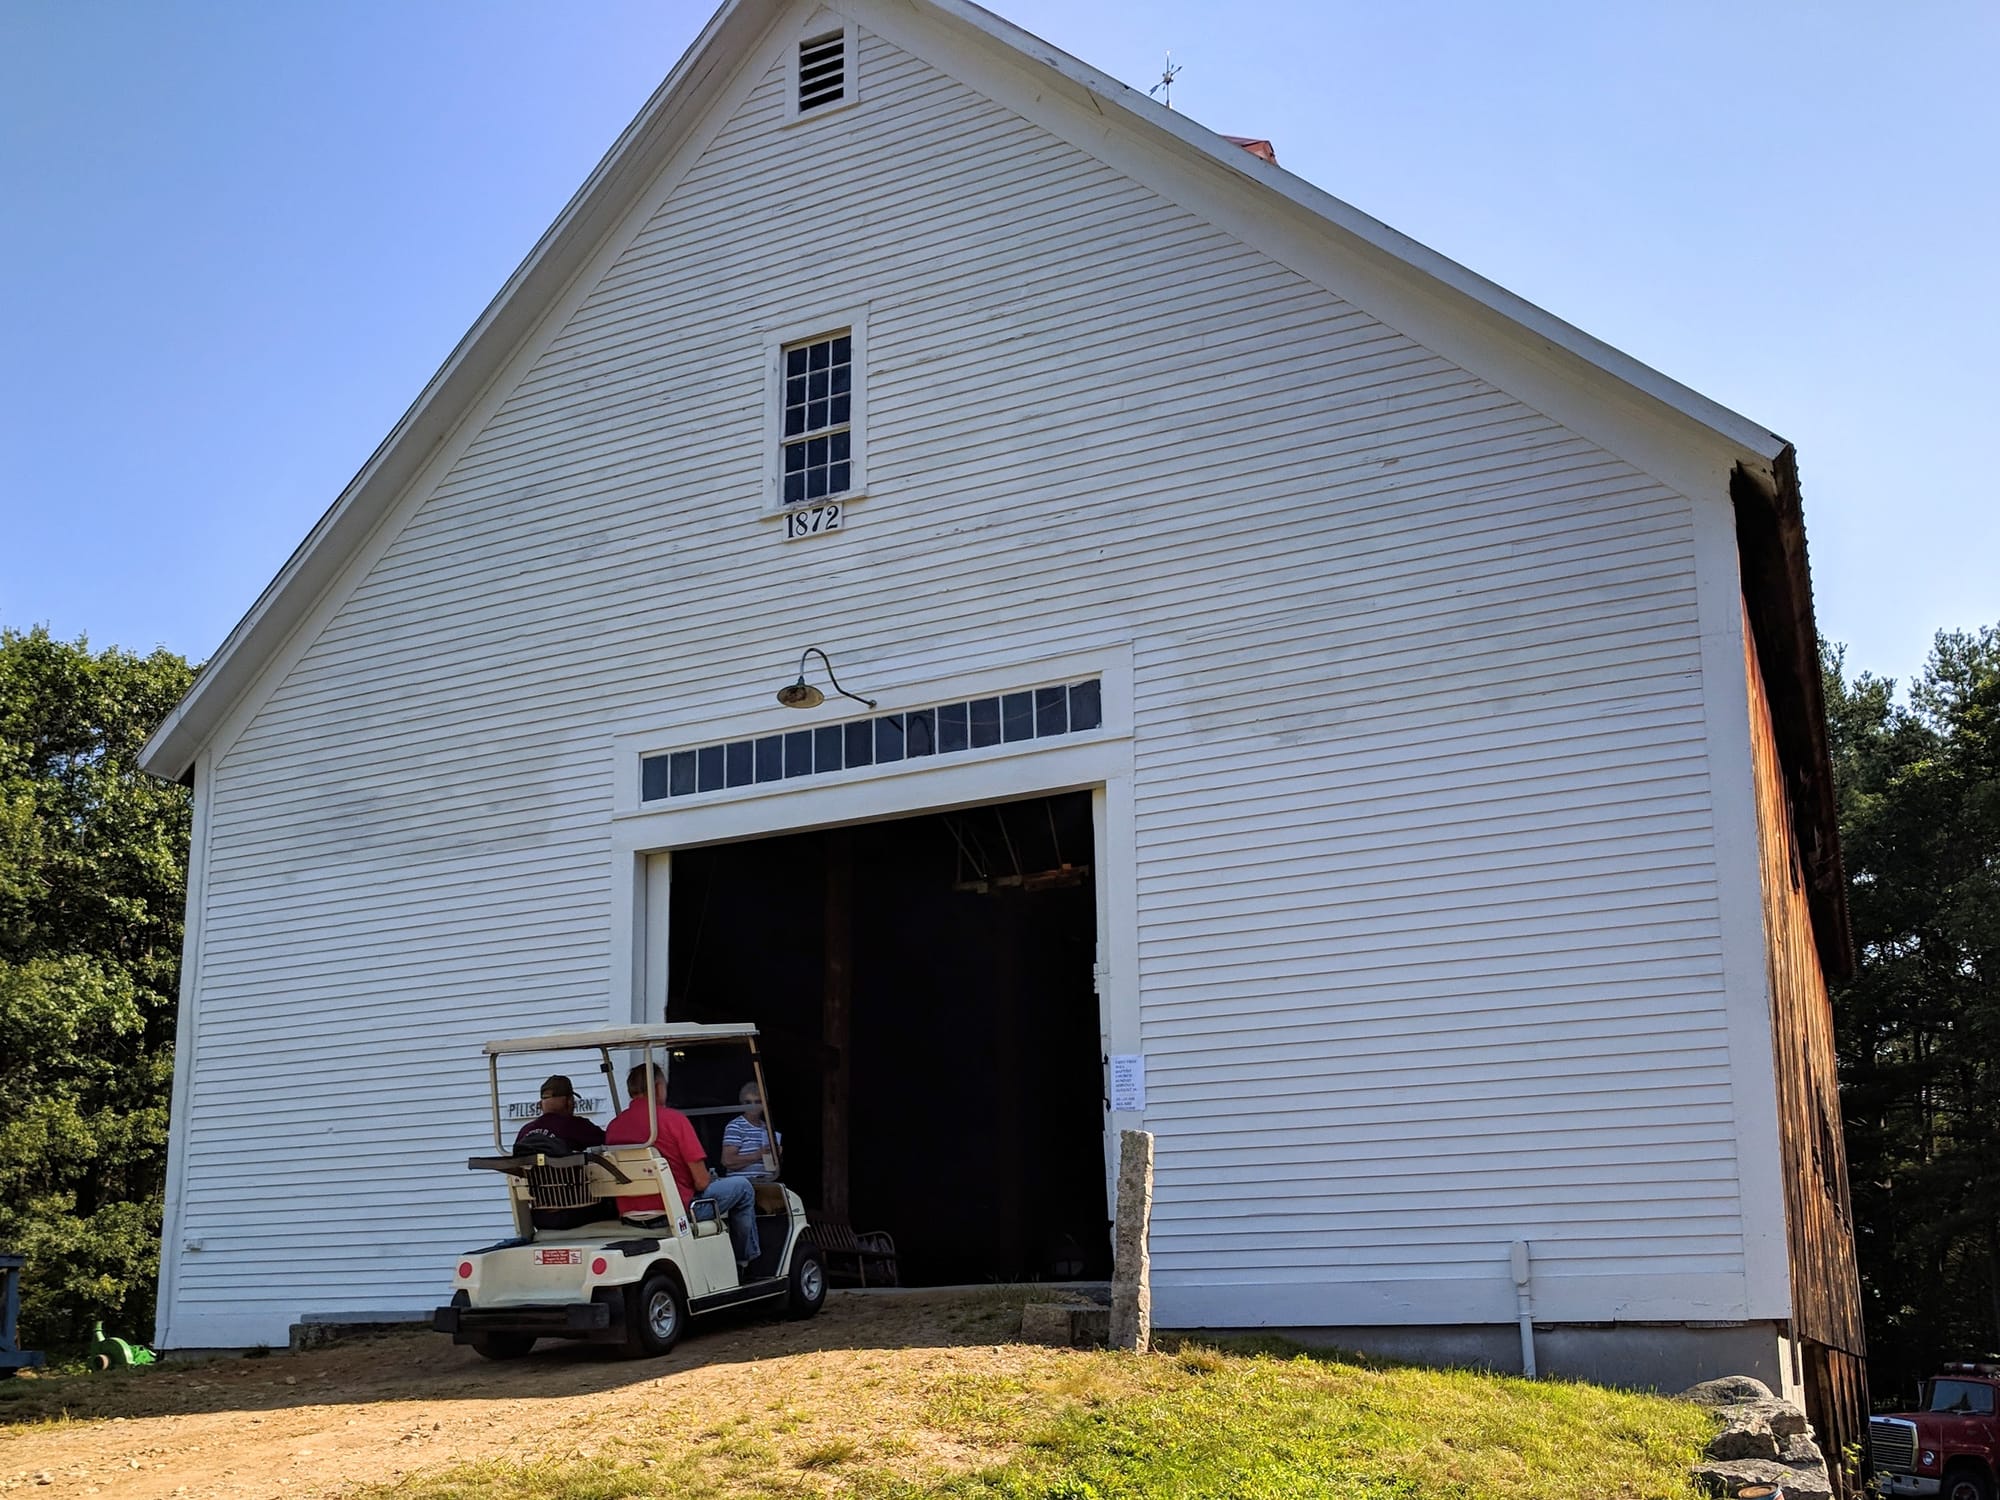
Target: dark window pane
(709, 774)
(839, 446)
(815, 484)
(815, 415)
(795, 457)
(652, 778)
(795, 488)
(826, 749)
(795, 390)
(842, 410)
(920, 733)
(682, 778)
(1086, 706)
(795, 362)
(861, 743)
(1051, 711)
(799, 753)
(843, 379)
(836, 479)
(843, 349)
(741, 759)
(795, 421)
(1017, 716)
(951, 728)
(985, 721)
(818, 356)
(816, 386)
(815, 452)
(771, 758)
(888, 738)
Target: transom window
(818, 408)
(1062, 708)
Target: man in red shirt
(675, 1140)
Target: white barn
(1298, 663)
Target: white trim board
(1102, 767)
(187, 1027)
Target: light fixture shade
(801, 694)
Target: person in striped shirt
(747, 1147)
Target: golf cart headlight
(1929, 1458)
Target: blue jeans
(735, 1197)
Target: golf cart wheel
(502, 1345)
(808, 1289)
(657, 1316)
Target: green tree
(93, 867)
(1919, 789)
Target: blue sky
(238, 239)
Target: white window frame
(854, 323)
(825, 23)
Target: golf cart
(604, 1249)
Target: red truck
(1951, 1448)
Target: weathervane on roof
(1164, 89)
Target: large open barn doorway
(931, 1030)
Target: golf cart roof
(663, 1035)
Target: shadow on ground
(421, 1366)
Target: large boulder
(1761, 1440)
(1726, 1477)
(1728, 1391)
(1783, 1418)
(1745, 1434)
(1800, 1449)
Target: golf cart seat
(644, 1184)
(561, 1194)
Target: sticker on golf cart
(558, 1257)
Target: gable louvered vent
(822, 70)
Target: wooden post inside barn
(836, 1023)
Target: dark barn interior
(929, 1027)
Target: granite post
(1131, 1272)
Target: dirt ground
(376, 1409)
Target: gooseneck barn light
(803, 694)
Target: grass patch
(830, 1454)
(1262, 1428)
(1194, 1422)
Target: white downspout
(1524, 1302)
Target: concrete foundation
(1666, 1357)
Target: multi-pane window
(945, 729)
(818, 407)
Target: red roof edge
(1255, 147)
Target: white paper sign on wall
(1128, 1080)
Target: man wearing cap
(559, 1117)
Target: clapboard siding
(1428, 945)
